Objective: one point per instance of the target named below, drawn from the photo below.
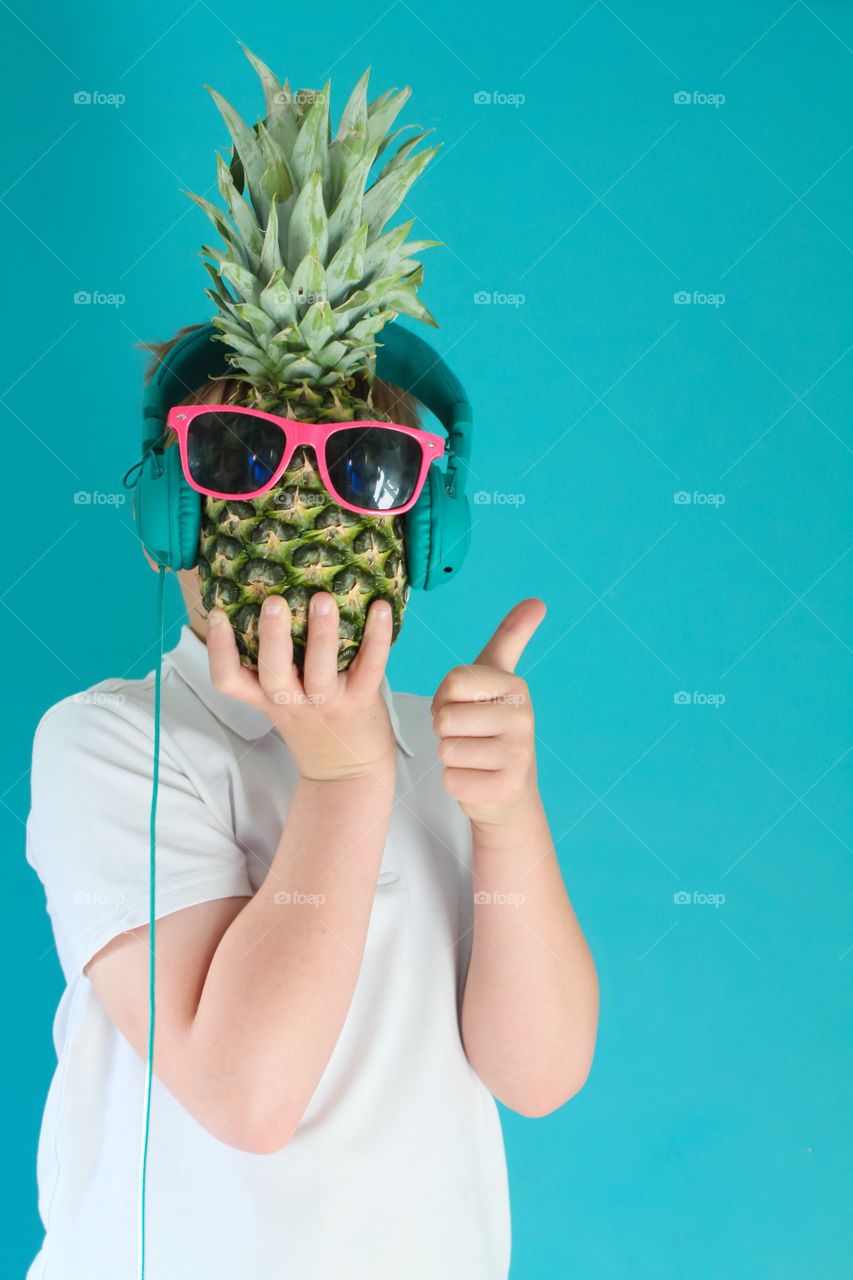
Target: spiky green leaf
(262, 325)
(385, 197)
(309, 225)
(402, 154)
(381, 253)
(309, 281)
(391, 138)
(367, 328)
(245, 283)
(241, 212)
(248, 149)
(331, 355)
(223, 226)
(271, 253)
(383, 112)
(277, 300)
(273, 97)
(309, 151)
(277, 177)
(354, 114)
(347, 212)
(317, 325)
(347, 268)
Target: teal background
(713, 1137)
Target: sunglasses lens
(233, 452)
(375, 468)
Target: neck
(196, 612)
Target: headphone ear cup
(438, 532)
(187, 517)
(167, 511)
(420, 531)
(451, 536)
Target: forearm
(282, 978)
(530, 1006)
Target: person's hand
(336, 724)
(483, 718)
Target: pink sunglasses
(233, 451)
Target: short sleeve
(88, 831)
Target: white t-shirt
(397, 1170)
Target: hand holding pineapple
(336, 724)
(483, 717)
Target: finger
(227, 673)
(276, 671)
(473, 719)
(368, 667)
(473, 753)
(320, 674)
(511, 638)
(480, 684)
(471, 786)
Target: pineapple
(307, 280)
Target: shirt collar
(189, 659)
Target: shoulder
(117, 710)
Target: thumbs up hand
(483, 718)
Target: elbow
(539, 1098)
(535, 1104)
(255, 1130)
(242, 1104)
(255, 1140)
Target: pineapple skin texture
(295, 541)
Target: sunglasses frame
(180, 418)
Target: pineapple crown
(309, 276)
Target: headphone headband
(402, 358)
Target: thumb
(510, 640)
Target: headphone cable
(152, 884)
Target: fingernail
(322, 605)
(216, 618)
(272, 606)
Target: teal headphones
(437, 528)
